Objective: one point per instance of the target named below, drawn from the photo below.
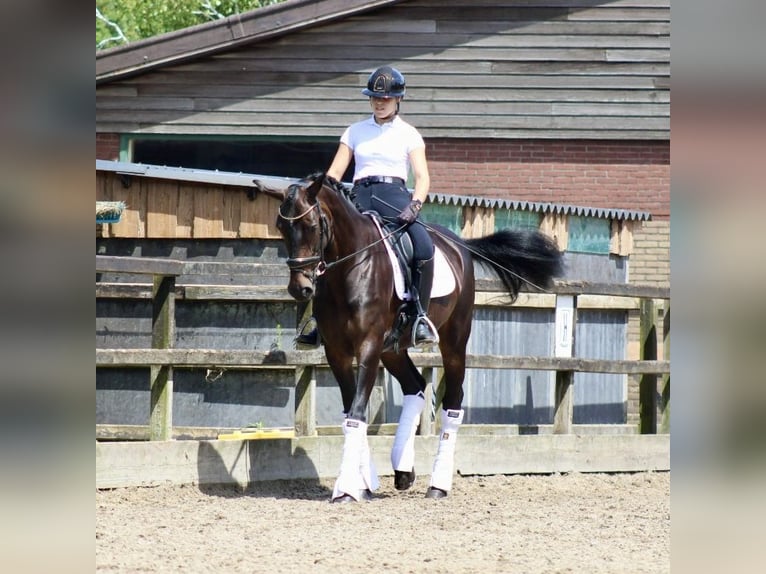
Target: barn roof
(218, 35)
(246, 180)
(574, 69)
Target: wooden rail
(162, 358)
(164, 273)
(277, 358)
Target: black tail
(518, 257)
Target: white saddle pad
(444, 279)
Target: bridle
(299, 263)
(325, 237)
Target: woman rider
(384, 148)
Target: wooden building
(547, 113)
(563, 102)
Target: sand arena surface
(590, 523)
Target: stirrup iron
(434, 340)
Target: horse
(337, 257)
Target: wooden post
(305, 401)
(163, 337)
(564, 346)
(439, 387)
(376, 406)
(647, 395)
(562, 415)
(665, 392)
(426, 421)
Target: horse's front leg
(357, 478)
(413, 402)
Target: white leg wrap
(403, 451)
(444, 465)
(357, 472)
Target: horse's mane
(330, 181)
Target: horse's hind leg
(451, 418)
(444, 463)
(413, 384)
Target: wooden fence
(162, 358)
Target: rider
(384, 147)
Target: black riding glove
(410, 213)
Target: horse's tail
(519, 256)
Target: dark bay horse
(336, 256)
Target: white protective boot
(444, 464)
(403, 451)
(357, 477)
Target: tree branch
(208, 11)
(119, 37)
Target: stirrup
(310, 339)
(431, 339)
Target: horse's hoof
(403, 480)
(435, 493)
(364, 495)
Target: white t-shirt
(382, 149)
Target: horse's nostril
(307, 292)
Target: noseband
(299, 263)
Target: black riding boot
(423, 331)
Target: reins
(363, 249)
(323, 266)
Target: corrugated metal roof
(246, 180)
(560, 208)
(189, 174)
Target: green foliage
(138, 19)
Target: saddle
(400, 245)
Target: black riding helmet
(385, 82)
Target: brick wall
(649, 265)
(624, 175)
(650, 261)
(108, 146)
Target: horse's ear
(313, 189)
(259, 187)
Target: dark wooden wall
(563, 69)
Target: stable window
(589, 235)
(293, 157)
(449, 216)
(517, 219)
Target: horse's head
(305, 229)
